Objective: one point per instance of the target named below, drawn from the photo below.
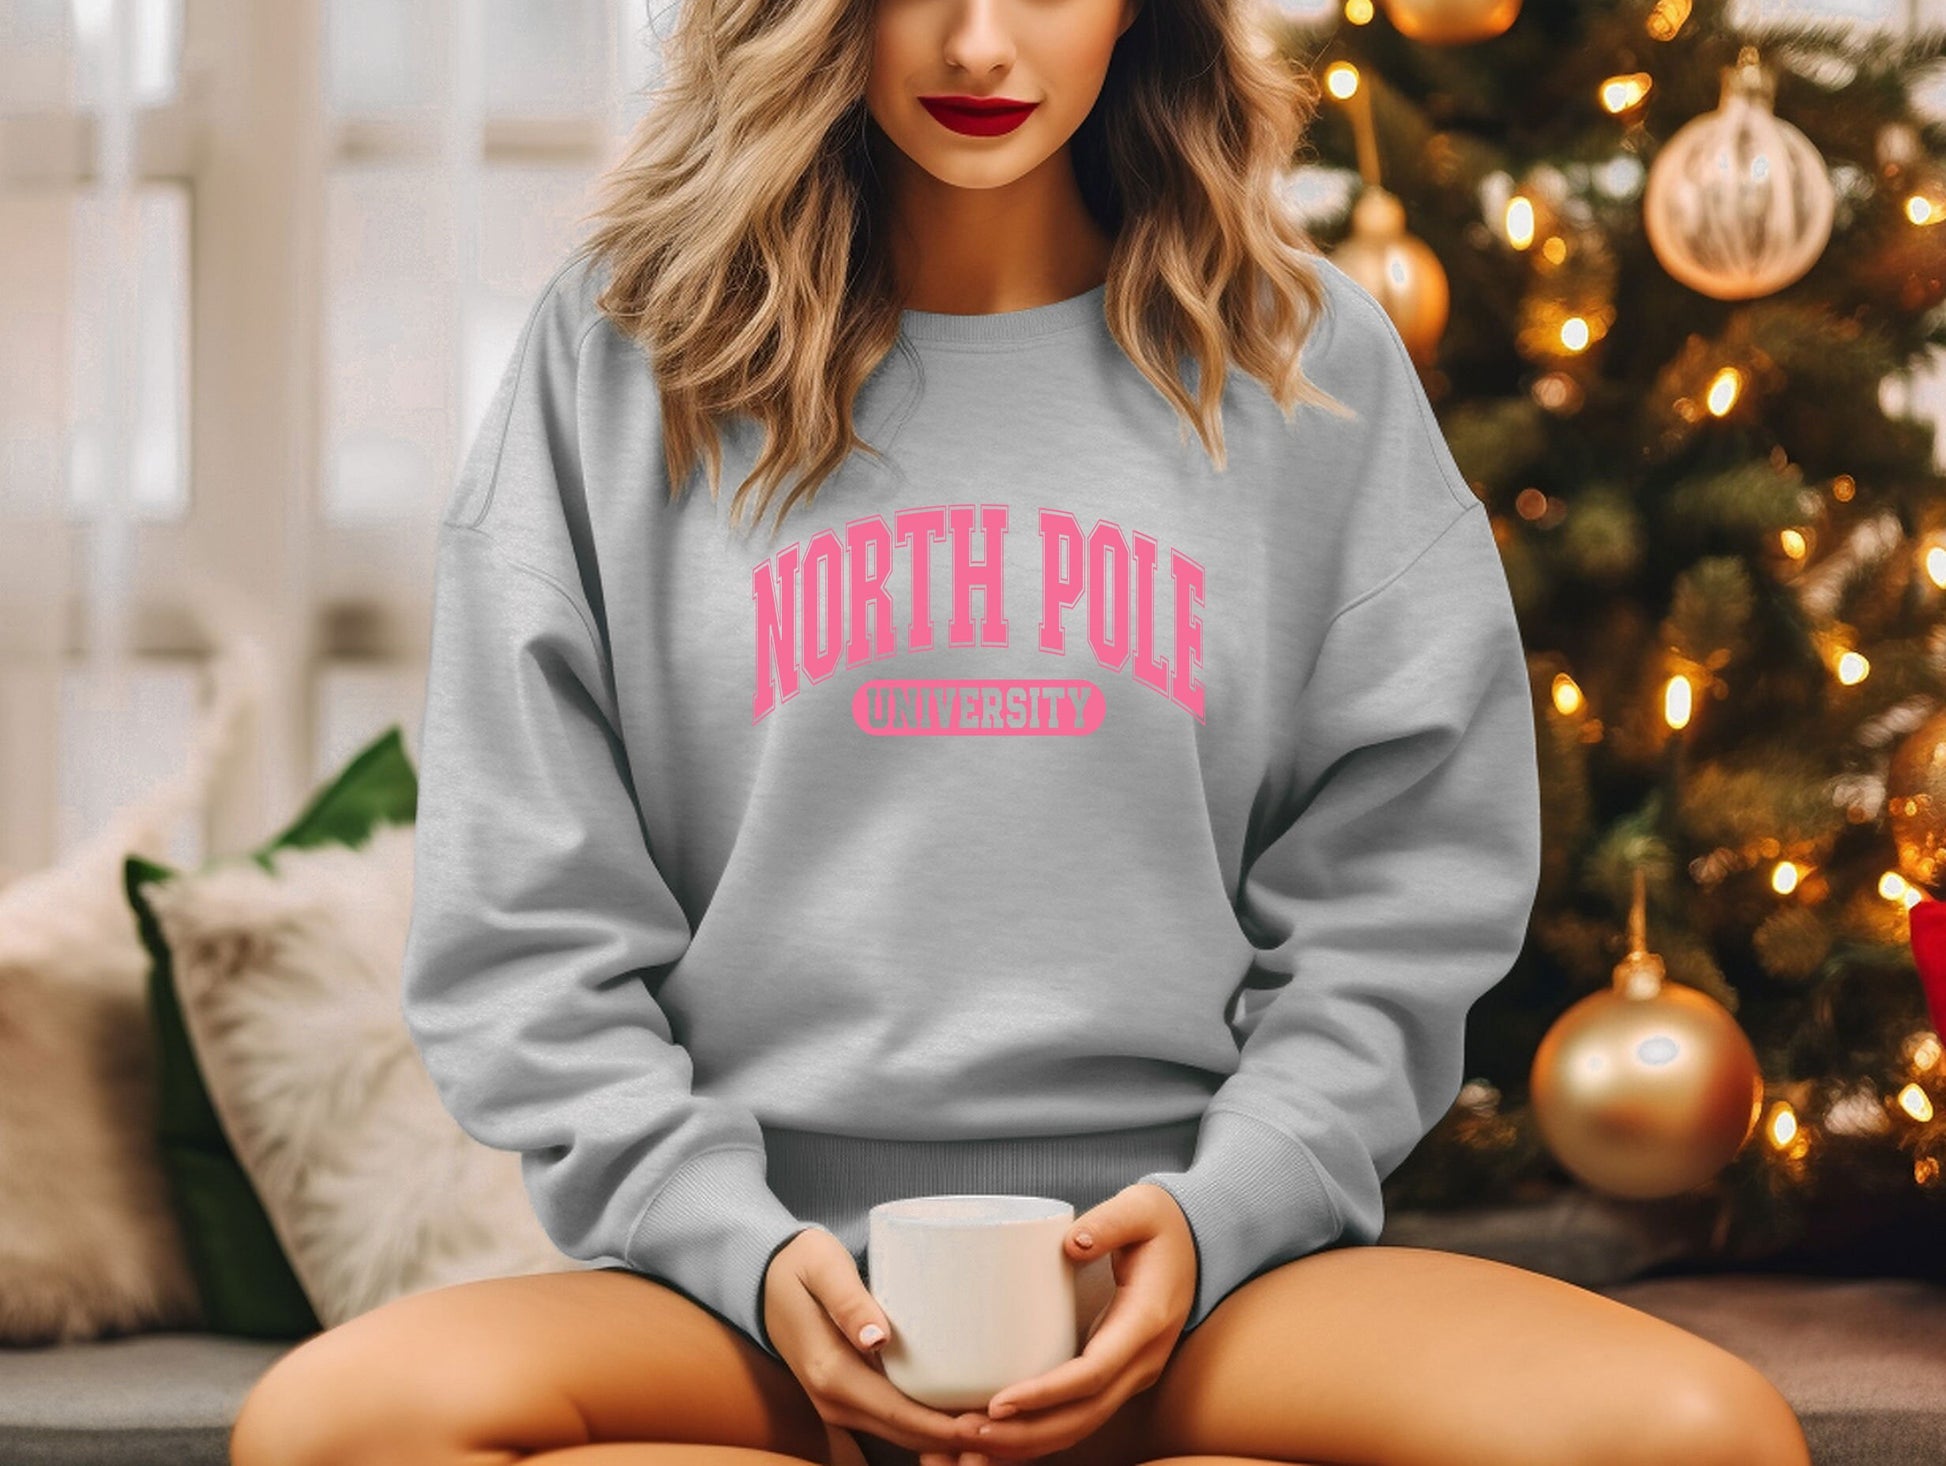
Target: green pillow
(246, 1282)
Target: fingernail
(870, 1335)
(999, 1412)
(1084, 1239)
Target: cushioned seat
(1862, 1360)
(163, 1399)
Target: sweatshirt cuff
(712, 1230)
(1254, 1197)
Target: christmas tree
(1666, 278)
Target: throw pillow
(90, 1247)
(287, 972)
(245, 1281)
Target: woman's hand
(815, 1309)
(1146, 1233)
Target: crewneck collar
(1004, 326)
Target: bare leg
(637, 1454)
(500, 1370)
(1410, 1356)
(621, 1453)
(640, 1455)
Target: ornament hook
(1641, 972)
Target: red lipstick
(978, 116)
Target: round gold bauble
(1646, 1096)
(1451, 22)
(1738, 203)
(1915, 801)
(1398, 268)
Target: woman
(924, 846)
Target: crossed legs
(1381, 1356)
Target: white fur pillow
(89, 1241)
(289, 984)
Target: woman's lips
(979, 116)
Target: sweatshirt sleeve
(1391, 888)
(540, 923)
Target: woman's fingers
(1044, 1432)
(1032, 1434)
(1109, 1353)
(888, 1411)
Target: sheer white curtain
(263, 264)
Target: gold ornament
(1915, 801)
(1451, 22)
(1738, 202)
(1647, 1088)
(1398, 268)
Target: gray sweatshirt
(1039, 810)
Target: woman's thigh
(1410, 1356)
(518, 1365)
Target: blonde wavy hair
(738, 227)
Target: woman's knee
(1726, 1415)
(317, 1404)
(368, 1394)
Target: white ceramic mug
(979, 1292)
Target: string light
(1556, 391)
(1784, 877)
(1934, 560)
(1852, 668)
(1916, 1102)
(1520, 221)
(1666, 20)
(1567, 695)
(1724, 389)
(1923, 1050)
(1575, 333)
(1624, 93)
(1894, 887)
(1678, 701)
(1843, 487)
(1781, 1127)
(1791, 541)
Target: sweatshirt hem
(835, 1180)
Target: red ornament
(1929, 953)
